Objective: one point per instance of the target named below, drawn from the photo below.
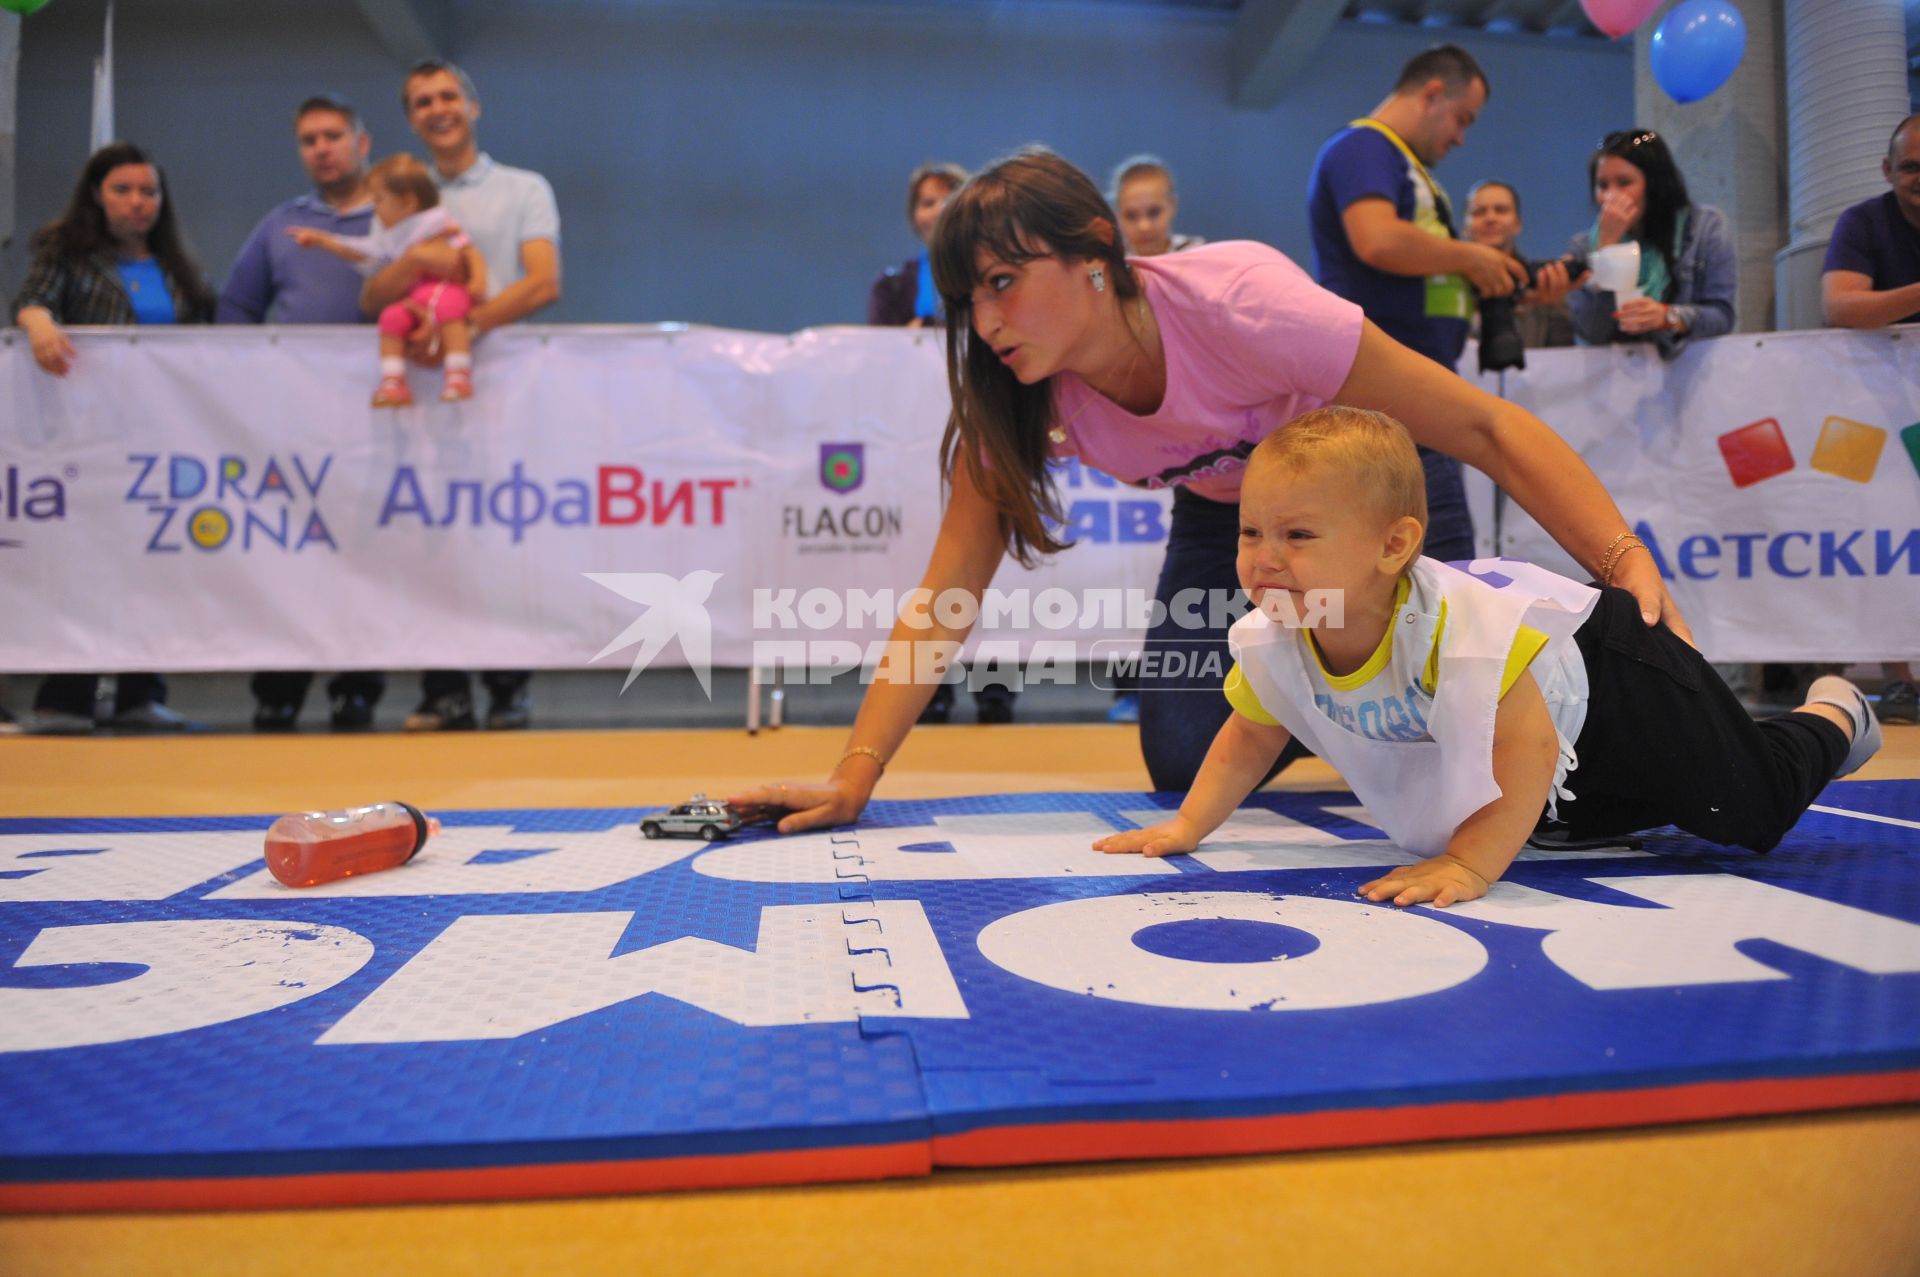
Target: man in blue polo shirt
(274, 280)
(1385, 237)
(1871, 279)
(511, 216)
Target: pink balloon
(1617, 17)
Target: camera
(1500, 345)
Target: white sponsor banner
(205, 499)
(1776, 477)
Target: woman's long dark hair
(1031, 205)
(81, 231)
(1666, 189)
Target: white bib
(1420, 792)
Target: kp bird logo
(676, 607)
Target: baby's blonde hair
(1371, 448)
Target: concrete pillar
(1731, 147)
(1846, 88)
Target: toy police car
(708, 818)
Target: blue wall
(742, 163)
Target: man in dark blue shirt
(1384, 236)
(274, 279)
(1871, 279)
(1872, 273)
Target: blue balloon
(1696, 48)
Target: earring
(1099, 277)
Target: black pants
(1180, 714)
(502, 685)
(1667, 743)
(1449, 521)
(289, 687)
(988, 694)
(73, 693)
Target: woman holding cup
(1663, 267)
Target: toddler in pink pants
(406, 204)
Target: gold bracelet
(870, 752)
(1610, 555)
(1625, 550)
(1621, 544)
(1614, 556)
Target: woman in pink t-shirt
(1163, 372)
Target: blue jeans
(1181, 711)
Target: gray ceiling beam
(410, 30)
(1567, 15)
(1493, 10)
(1272, 41)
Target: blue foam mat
(656, 1077)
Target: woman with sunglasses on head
(1688, 273)
(1163, 372)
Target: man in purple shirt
(1872, 274)
(275, 280)
(1871, 279)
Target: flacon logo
(843, 466)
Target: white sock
(459, 363)
(1831, 689)
(393, 366)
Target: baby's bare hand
(1443, 880)
(1169, 838)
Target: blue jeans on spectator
(1181, 713)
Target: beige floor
(1834, 1194)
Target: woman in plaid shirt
(115, 256)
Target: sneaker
(997, 710)
(1899, 703)
(58, 722)
(151, 717)
(268, 717)
(458, 386)
(1125, 709)
(352, 712)
(9, 725)
(393, 392)
(1831, 689)
(452, 712)
(509, 713)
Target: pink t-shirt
(1251, 343)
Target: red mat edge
(1357, 1128)
(907, 1159)
(998, 1147)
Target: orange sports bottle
(311, 847)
